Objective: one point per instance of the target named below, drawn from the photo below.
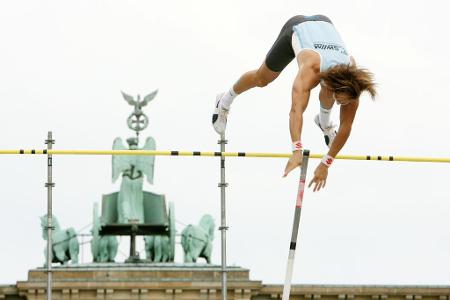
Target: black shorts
(281, 53)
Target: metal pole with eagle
(298, 209)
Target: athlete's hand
(294, 161)
(320, 177)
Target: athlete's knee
(262, 81)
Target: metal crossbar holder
(222, 142)
(223, 228)
(222, 184)
(49, 184)
(49, 141)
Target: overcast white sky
(63, 64)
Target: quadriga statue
(65, 245)
(197, 240)
(103, 248)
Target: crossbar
(212, 154)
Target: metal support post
(223, 224)
(49, 185)
(134, 256)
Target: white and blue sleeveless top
(323, 38)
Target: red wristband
(297, 146)
(327, 160)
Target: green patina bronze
(138, 121)
(103, 248)
(157, 248)
(161, 248)
(197, 240)
(65, 246)
(133, 169)
(133, 211)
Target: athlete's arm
(307, 78)
(304, 82)
(347, 115)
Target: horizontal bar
(211, 154)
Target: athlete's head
(347, 82)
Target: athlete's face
(341, 98)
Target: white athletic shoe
(219, 117)
(329, 133)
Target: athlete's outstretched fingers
(320, 177)
(318, 185)
(321, 185)
(315, 183)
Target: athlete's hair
(350, 80)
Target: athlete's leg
(326, 104)
(278, 57)
(276, 60)
(255, 78)
(260, 78)
(323, 119)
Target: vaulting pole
(49, 185)
(223, 222)
(298, 209)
